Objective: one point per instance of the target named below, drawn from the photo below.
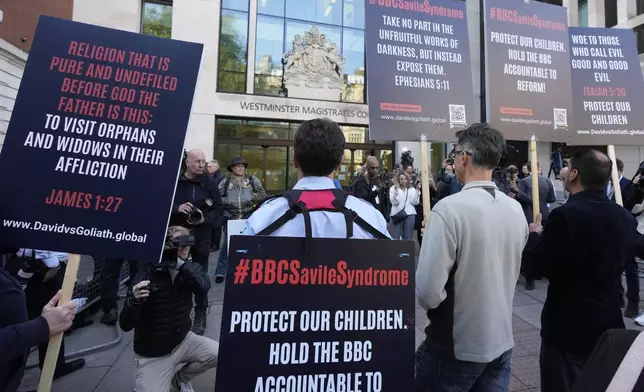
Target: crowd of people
(480, 237)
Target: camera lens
(195, 216)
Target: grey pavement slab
(112, 370)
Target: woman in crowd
(404, 196)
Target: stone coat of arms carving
(315, 61)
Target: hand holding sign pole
(49, 366)
(535, 177)
(615, 176)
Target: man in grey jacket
(467, 272)
(522, 192)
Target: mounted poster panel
(607, 87)
(337, 318)
(528, 69)
(419, 75)
(95, 141)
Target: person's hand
(140, 291)
(445, 164)
(186, 208)
(536, 226)
(636, 180)
(512, 195)
(59, 318)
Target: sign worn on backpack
(338, 318)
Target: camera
(195, 215)
(406, 159)
(172, 245)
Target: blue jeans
(436, 372)
(222, 261)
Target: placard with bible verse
(338, 317)
(95, 141)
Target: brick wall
(21, 16)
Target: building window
(157, 18)
(639, 38)
(233, 46)
(583, 13)
(311, 49)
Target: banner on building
(528, 70)
(607, 86)
(419, 76)
(337, 318)
(91, 155)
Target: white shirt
(49, 258)
(403, 199)
(324, 224)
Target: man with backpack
(314, 208)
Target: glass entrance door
(270, 164)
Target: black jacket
(376, 197)
(217, 177)
(582, 251)
(162, 321)
(17, 333)
(203, 193)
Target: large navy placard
(337, 318)
(91, 155)
(528, 69)
(607, 87)
(419, 77)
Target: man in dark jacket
(159, 312)
(18, 334)
(582, 251)
(368, 186)
(198, 207)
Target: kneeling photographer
(197, 206)
(167, 354)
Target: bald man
(198, 207)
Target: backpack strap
(292, 197)
(352, 217)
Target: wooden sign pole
(535, 177)
(615, 176)
(49, 366)
(424, 176)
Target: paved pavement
(111, 370)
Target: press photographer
(159, 312)
(197, 206)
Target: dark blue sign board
(90, 160)
(528, 70)
(607, 87)
(419, 76)
(340, 317)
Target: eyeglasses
(456, 152)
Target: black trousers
(38, 294)
(110, 281)
(559, 370)
(200, 252)
(215, 240)
(632, 282)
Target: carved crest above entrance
(314, 68)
